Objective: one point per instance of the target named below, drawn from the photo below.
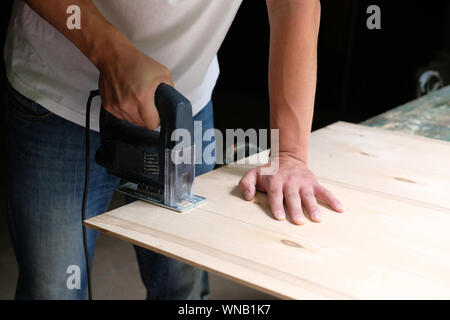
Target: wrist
(293, 134)
(303, 158)
(293, 144)
(107, 47)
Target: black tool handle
(175, 112)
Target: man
(126, 49)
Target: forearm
(294, 31)
(97, 39)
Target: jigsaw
(153, 166)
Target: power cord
(92, 95)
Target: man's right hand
(128, 78)
(127, 86)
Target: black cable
(92, 95)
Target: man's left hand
(293, 184)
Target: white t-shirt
(183, 35)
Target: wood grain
(385, 246)
(381, 161)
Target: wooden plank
(412, 168)
(359, 254)
(382, 247)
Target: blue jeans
(46, 159)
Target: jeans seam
(30, 117)
(24, 115)
(15, 98)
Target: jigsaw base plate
(131, 189)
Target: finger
(108, 98)
(312, 207)
(125, 116)
(166, 77)
(326, 196)
(248, 184)
(275, 196)
(147, 111)
(168, 81)
(132, 113)
(149, 116)
(294, 205)
(116, 113)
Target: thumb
(248, 184)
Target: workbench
(392, 241)
(428, 116)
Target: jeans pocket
(22, 107)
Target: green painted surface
(428, 116)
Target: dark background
(361, 72)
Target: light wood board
(415, 169)
(388, 244)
